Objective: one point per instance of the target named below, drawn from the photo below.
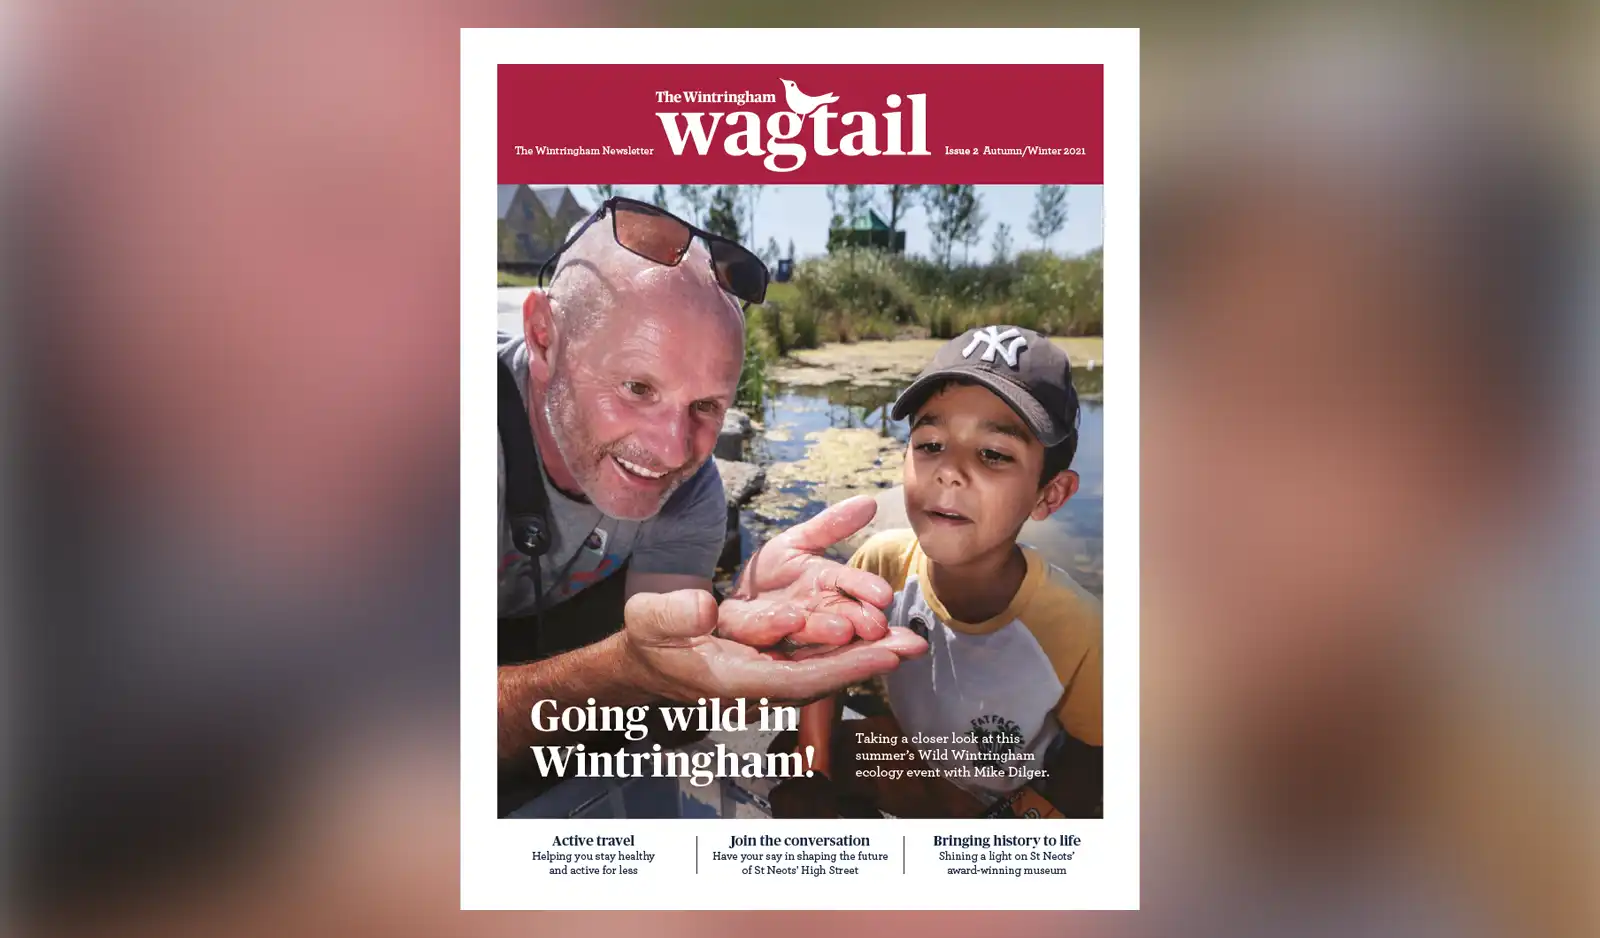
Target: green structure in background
(866, 230)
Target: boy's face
(972, 475)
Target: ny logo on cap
(995, 341)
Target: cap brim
(1045, 427)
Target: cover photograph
(799, 497)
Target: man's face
(636, 405)
(972, 474)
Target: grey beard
(558, 433)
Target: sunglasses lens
(741, 272)
(650, 234)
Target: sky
(801, 213)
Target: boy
(1014, 660)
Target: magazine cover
(812, 427)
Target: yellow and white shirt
(1014, 682)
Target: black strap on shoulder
(527, 503)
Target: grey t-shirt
(586, 546)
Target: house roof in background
(551, 199)
(507, 194)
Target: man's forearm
(604, 671)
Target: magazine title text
(901, 129)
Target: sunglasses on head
(657, 235)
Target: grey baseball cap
(1026, 370)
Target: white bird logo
(802, 103)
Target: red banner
(783, 124)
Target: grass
(805, 327)
(784, 294)
(1082, 349)
(752, 393)
(517, 280)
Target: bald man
(627, 367)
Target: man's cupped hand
(789, 590)
(673, 647)
(686, 646)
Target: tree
(955, 216)
(972, 230)
(751, 197)
(771, 253)
(659, 198)
(791, 249)
(734, 196)
(896, 202)
(1049, 213)
(848, 204)
(601, 193)
(856, 200)
(696, 199)
(723, 217)
(939, 202)
(1002, 243)
(835, 232)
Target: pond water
(822, 443)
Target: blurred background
(1369, 426)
